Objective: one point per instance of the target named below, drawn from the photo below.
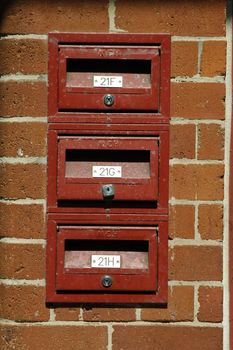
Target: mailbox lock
(109, 100)
(108, 191)
(107, 281)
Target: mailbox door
(106, 259)
(89, 165)
(109, 78)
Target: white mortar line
(174, 201)
(198, 79)
(52, 315)
(9, 119)
(228, 116)
(196, 140)
(23, 77)
(196, 283)
(23, 282)
(187, 161)
(110, 331)
(24, 36)
(196, 225)
(194, 242)
(200, 49)
(23, 201)
(196, 303)
(23, 160)
(198, 38)
(183, 121)
(81, 314)
(111, 16)
(13, 240)
(101, 324)
(138, 312)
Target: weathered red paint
(231, 228)
(138, 121)
(70, 100)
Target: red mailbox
(102, 263)
(108, 158)
(94, 74)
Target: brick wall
(200, 120)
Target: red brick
(53, 337)
(211, 142)
(181, 221)
(203, 182)
(182, 141)
(165, 338)
(24, 261)
(22, 181)
(195, 263)
(184, 58)
(27, 56)
(213, 59)
(211, 304)
(109, 314)
(23, 139)
(210, 221)
(199, 19)
(23, 303)
(180, 306)
(23, 98)
(67, 314)
(198, 100)
(22, 221)
(71, 16)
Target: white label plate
(106, 171)
(107, 81)
(106, 261)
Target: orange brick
(211, 304)
(165, 338)
(213, 60)
(211, 142)
(27, 56)
(201, 19)
(53, 337)
(182, 141)
(181, 221)
(67, 313)
(198, 100)
(22, 181)
(184, 58)
(22, 261)
(23, 139)
(23, 98)
(180, 306)
(203, 182)
(109, 314)
(195, 263)
(23, 303)
(63, 16)
(24, 221)
(210, 221)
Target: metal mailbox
(109, 78)
(108, 160)
(94, 74)
(91, 261)
(116, 168)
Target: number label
(106, 171)
(106, 261)
(107, 81)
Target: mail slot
(106, 258)
(108, 168)
(109, 78)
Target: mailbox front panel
(88, 165)
(92, 260)
(127, 255)
(130, 75)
